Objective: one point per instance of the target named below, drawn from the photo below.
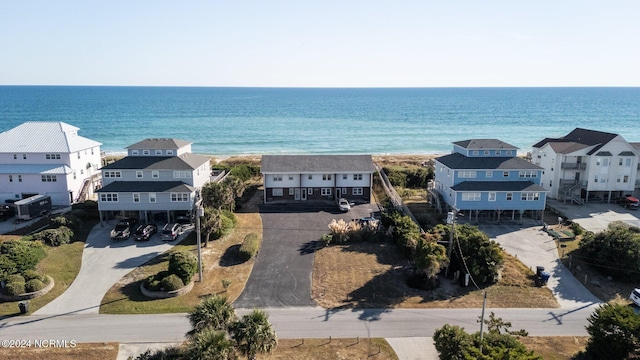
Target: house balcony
(573, 166)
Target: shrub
(577, 229)
(69, 220)
(245, 172)
(7, 266)
(25, 255)
(55, 237)
(34, 285)
(14, 288)
(227, 222)
(326, 239)
(15, 278)
(32, 274)
(171, 283)
(249, 247)
(153, 282)
(184, 265)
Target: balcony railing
(573, 166)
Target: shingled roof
(583, 137)
(459, 161)
(183, 162)
(159, 143)
(317, 163)
(485, 144)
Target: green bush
(32, 274)
(14, 288)
(15, 278)
(577, 229)
(249, 247)
(55, 237)
(326, 239)
(227, 222)
(184, 265)
(153, 282)
(171, 283)
(69, 220)
(34, 285)
(245, 172)
(25, 255)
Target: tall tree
(236, 184)
(254, 334)
(213, 312)
(210, 223)
(615, 333)
(218, 195)
(430, 257)
(211, 344)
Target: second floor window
(112, 174)
(357, 176)
(49, 178)
(179, 197)
(181, 174)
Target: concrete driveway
(104, 262)
(281, 275)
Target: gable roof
(583, 137)
(317, 164)
(44, 137)
(159, 143)
(187, 161)
(484, 144)
(459, 161)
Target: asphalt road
(281, 275)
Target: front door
(304, 193)
(296, 194)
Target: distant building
(158, 179)
(485, 178)
(48, 158)
(317, 177)
(588, 165)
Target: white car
(344, 205)
(635, 296)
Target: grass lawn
(219, 260)
(555, 347)
(321, 349)
(93, 351)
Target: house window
(310, 177)
(152, 197)
(527, 174)
(467, 174)
(476, 152)
(91, 151)
(290, 191)
(486, 152)
(619, 178)
(326, 177)
(356, 191)
(179, 197)
(134, 152)
(530, 196)
(78, 154)
(509, 196)
(52, 156)
(139, 174)
(492, 196)
(620, 162)
(146, 152)
(498, 152)
(15, 156)
(109, 197)
(489, 174)
(625, 179)
(344, 176)
(49, 178)
(509, 152)
(471, 196)
(605, 162)
(277, 177)
(136, 197)
(595, 178)
(325, 191)
(24, 156)
(10, 178)
(181, 174)
(169, 152)
(158, 152)
(505, 174)
(357, 176)
(19, 178)
(290, 177)
(112, 174)
(155, 174)
(74, 175)
(627, 162)
(310, 191)
(344, 190)
(276, 192)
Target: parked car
(628, 202)
(122, 230)
(7, 212)
(170, 232)
(635, 296)
(144, 232)
(344, 205)
(183, 219)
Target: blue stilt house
(484, 178)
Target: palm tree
(218, 195)
(211, 344)
(213, 312)
(254, 335)
(210, 223)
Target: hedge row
(249, 247)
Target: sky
(346, 43)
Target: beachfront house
(157, 180)
(588, 165)
(48, 158)
(317, 177)
(484, 178)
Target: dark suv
(144, 232)
(123, 229)
(6, 212)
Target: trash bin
(24, 307)
(544, 277)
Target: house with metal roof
(317, 177)
(48, 158)
(485, 178)
(159, 178)
(588, 165)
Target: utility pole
(451, 219)
(199, 213)
(484, 304)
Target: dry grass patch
(403, 160)
(92, 351)
(373, 275)
(555, 347)
(325, 349)
(219, 262)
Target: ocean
(247, 121)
